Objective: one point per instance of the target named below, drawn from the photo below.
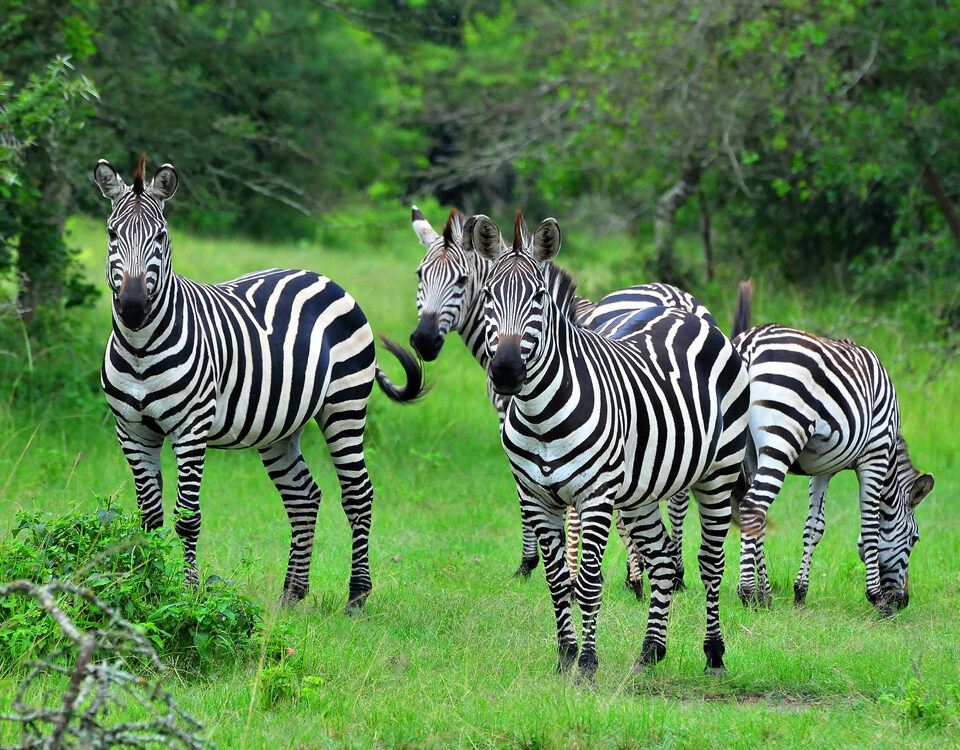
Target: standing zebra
(242, 364)
(450, 277)
(819, 406)
(602, 423)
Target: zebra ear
(108, 180)
(546, 240)
(423, 229)
(482, 235)
(164, 183)
(922, 486)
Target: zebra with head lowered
(242, 364)
(602, 423)
(819, 406)
(450, 277)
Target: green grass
(454, 652)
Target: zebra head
(904, 487)
(514, 296)
(138, 246)
(447, 283)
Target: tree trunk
(936, 190)
(42, 256)
(705, 236)
(667, 206)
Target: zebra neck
(471, 328)
(163, 320)
(552, 376)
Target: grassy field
(454, 652)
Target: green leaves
(139, 574)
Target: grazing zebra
(451, 275)
(819, 406)
(602, 423)
(242, 364)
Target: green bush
(137, 573)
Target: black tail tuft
(739, 490)
(412, 368)
(741, 318)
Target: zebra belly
(267, 401)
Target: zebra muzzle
(132, 302)
(426, 339)
(507, 369)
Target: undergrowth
(139, 574)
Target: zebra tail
(736, 495)
(741, 317)
(415, 387)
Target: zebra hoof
(356, 601)
(650, 654)
(636, 587)
(799, 595)
(720, 671)
(527, 566)
(678, 585)
(587, 667)
(747, 595)
(714, 649)
(293, 594)
(567, 656)
(885, 611)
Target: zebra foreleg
(595, 520)
(651, 536)
(143, 455)
(343, 430)
(870, 477)
(812, 534)
(301, 499)
(547, 522)
(190, 455)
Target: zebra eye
(461, 279)
(161, 236)
(112, 235)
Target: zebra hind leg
(812, 534)
(529, 556)
(650, 535)
(301, 499)
(714, 506)
(634, 580)
(677, 507)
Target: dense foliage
(140, 575)
(793, 135)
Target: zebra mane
(453, 229)
(138, 175)
(561, 287)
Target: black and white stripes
(602, 423)
(819, 406)
(243, 364)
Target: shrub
(139, 574)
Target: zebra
(819, 406)
(241, 364)
(602, 423)
(450, 277)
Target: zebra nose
(426, 339)
(132, 302)
(507, 369)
